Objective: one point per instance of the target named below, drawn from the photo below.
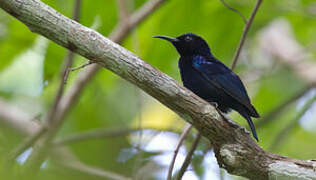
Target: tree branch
(245, 32)
(175, 153)
(29, 141)
(234, 10)
(233, 147)
(102, 133)
(81, 66)
(123, 11)
(189, 156)
(81, 167)
(14, 118)
(94, 134)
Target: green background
(30, 67)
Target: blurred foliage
(110, 102)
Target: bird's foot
(214, 104)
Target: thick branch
(234, 149)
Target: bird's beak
(170, 39)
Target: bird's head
(188, 44)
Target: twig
(123, 11)
(121, 30)
(77, 9)
(234, 10)
(29, 141)
(287, 129)
(245, 32)
(62, 157)
(82, 66)
(279, 109)
(101, 133)
(14, 118)
(189, 156)
(78, 166)
(94, 134)
(181, 139)
(63, 77)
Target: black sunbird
(210, 79)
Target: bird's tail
(253, 112)
(251, 125)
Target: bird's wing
(223, 78)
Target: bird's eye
(188, 39)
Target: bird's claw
(214, 104)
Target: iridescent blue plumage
(210, 79)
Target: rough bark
(234, 149)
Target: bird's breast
(194, 81)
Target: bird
(210, 79)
